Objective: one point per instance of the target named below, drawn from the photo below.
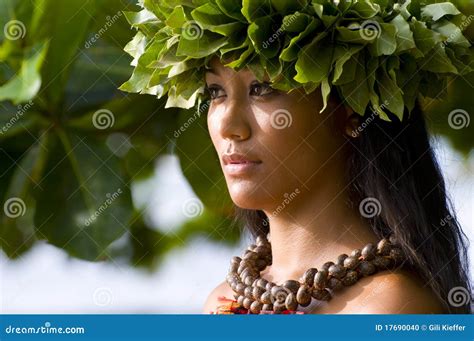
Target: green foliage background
(53, 81)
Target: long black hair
(395, 163)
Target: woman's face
(270, 143)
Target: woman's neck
(313, 229)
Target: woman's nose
(234, 123)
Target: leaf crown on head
(377, 53)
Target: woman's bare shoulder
(223, 289)
(387, 292)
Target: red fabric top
(230, 306)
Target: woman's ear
(351, 123)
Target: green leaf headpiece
(378, 53)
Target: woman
(314, 114)
(332, 169)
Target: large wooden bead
(320, 279)
(382, 262)
(321, 295)
(308, 276)
(279, 307)
(263, 250)
(383, 247)
(266, 297)
(292, 285)
(236, 260)
(240, 300)
(366, 268)
(335, 284)
(341, 258)
(397, 255)
(350, 278)
(247, 302)
(327, 265)
(368, 252)
(256, 307)
(356, 253)
(240, 288)
(270, 285)
(303, 296)
(351, 262)
(248, 292)
(249, 280)
(233, 267)
(337, 271)
(267, 308)
(279, 293)
(290, 302)
(260, 264)
(262, 282)
(257, 292)
(252, 256)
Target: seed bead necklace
(258, 295)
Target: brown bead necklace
(259, 295)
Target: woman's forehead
(218, 68)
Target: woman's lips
(241, 168)
(238, 164)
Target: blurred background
(111, 204)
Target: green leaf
(356, 93)
(404, 34)
(314, 61)
(65, 24)
(390, 93)
(437, 61)
(17, 233)
(200, 46)
(386, 42)
(254, 9)
(439, 10)
(27, 83)
(88, 209)
(425, 38)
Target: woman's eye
(215, 92)
(261, 89)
